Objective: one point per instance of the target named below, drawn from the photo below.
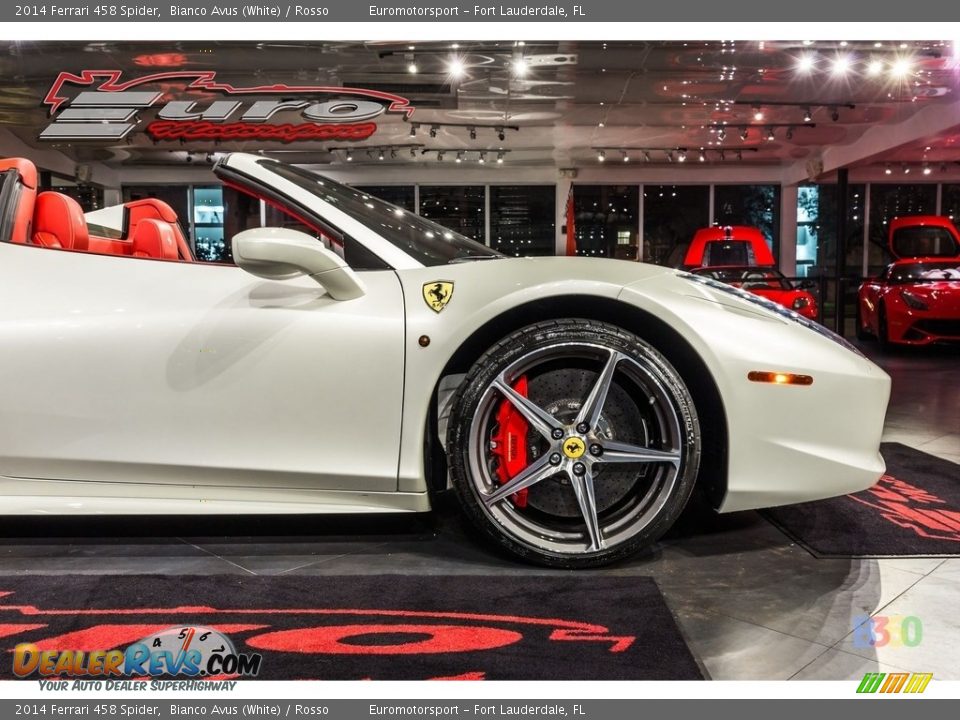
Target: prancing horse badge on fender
(437, 294)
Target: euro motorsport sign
(101, 105)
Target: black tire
(862, 333)
(647, 409)
(883, 330)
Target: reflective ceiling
(775, 102)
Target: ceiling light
(601, 124)
(460, 157)
(843, 43)
(770, 134)
(682, 156)
(349, 155)
(721, 134)
(412, 68)
(841, 65)
(926, 169)
(875, 67)
(440, 156)
(433, 130)
(646, 157)
(757, 113)
(455, 67)
(900, 67)
(888, 170)
(519, 67)
(499, 158)
(808, 43)
(703, 156)
(482, 159)
(413, 130)
(745, 134)
(473, 133)
(806, 62)
(669, 157)
(380, 155)
(500, 134)
(626, 157)
(393, 154)
(739, 155)
(413, 153)
(835, 114)
(906, 169)
(807, 115)
(601, 156)
(789, 133)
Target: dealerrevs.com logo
(102, 105)
(193, 652)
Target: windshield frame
(348, 211)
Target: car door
(132, 370)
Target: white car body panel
(140, 386)
(121, 369)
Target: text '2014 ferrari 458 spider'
(359, 358)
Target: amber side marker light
(779, 378)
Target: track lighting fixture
(757, 113)
(682, 156)
(601, 156)
(499, 158)
(807, 115)
(834, 114)
(473, 133)
(745, 134)
(703, 156)
(380, 155)
(349, 155)
(500, 134)
(482, 159)
(413, 130)
(626, 156)
(433, 130)
(770, 134)
(459, 157)
(789, 133)
(888, 170)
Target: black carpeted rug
(396, 627)
(913, 511)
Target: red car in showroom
(740, 256)
(916, 299)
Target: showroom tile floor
(751, 604)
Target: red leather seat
(23, 215)
(137, 211)
(154, 239)
(58, 222)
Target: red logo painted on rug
(912, 508)
(311, 630)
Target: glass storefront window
(522, 219)
(606, 220)
(753, 205)
(950, 202)
(400, 195)
(817, 230)
(459, 208)
(671, 216)
(888, 202)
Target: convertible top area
(149, 229)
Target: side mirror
(281, 254)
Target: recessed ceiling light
(412, 68)
(806, 62)
(841, 65)
(455, 67)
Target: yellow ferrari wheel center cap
(574, 447)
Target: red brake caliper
(510, 442)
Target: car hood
(944, 295)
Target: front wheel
(573, 443)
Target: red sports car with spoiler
(740, 256)
(916, 299)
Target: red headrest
(138, 210)
(59, 222)
(154, 239)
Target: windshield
(424, 240)
(925, 272)
(728, 252)
(749, 278)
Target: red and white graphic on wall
(102, 105)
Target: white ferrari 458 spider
(573, 404)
